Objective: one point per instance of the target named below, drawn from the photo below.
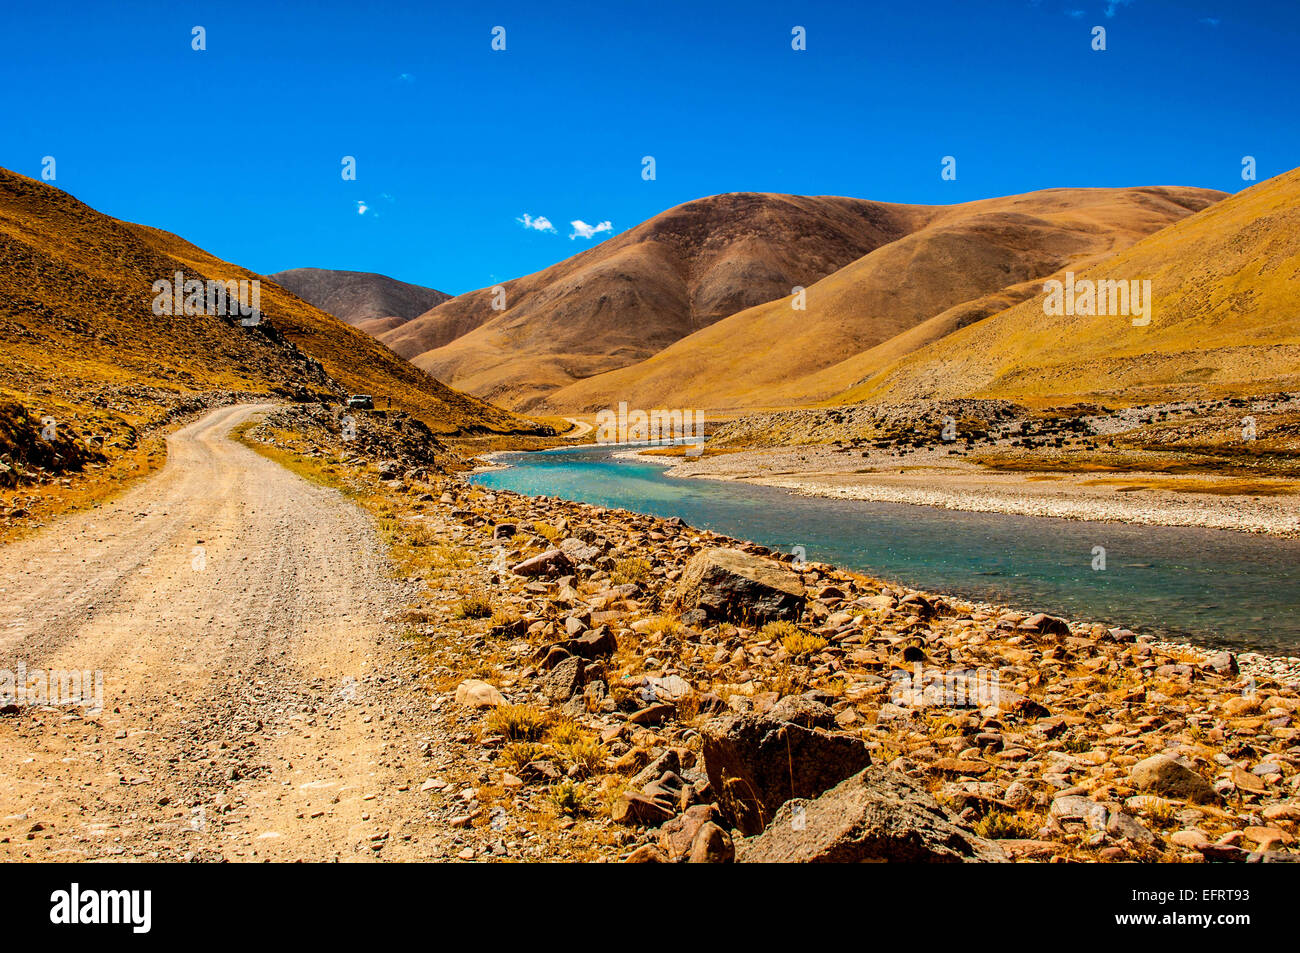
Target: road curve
(239, 615)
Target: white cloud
(581, 228)
(540, 224)
(1210, 21)
(1114, 5)
(362, 207)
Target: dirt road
(256, 702)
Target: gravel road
(256, 704)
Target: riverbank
(1227, 463)
(932, 477)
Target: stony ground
(550, 681)
(571, 680)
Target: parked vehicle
(361, 402)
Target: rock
(1225, 663)
(1223, 852)
(710, 704)
(804, 711)
(1081, 810)
(712, 845)
(669, 688)
(1240, 705)
(1045, 624)
(564, 680)
(579, 552)
(653, 714)
(875, 815)
(918, 604)
(594, 644)
(539, 771)
(1029, 710)
(475, 694)
(504, 530)
(553, 655)
(677, 836)
(755, 763)
(553, 562)
(1163, 775)
(667, 762)
(1028, 849)
(633, 807)
(1246, 781)
(1191, 837)
(1286, 811)
(1018, 796)
(1273, 857)
(1266, 837)
(1124, 825)
(730, 585)
(646, 854)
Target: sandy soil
(935, 478)
(251, 711)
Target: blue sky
(238, 148)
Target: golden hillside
(967, 262)
(79, 334)
(633, 295)
(374, 303)
(1224, 283)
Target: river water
(1210, 587)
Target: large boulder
(756, 763)
(875, 815)
(729, 585)
(1164, 775)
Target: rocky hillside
(81, 341)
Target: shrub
(474, 607)
(569, 798)
(519, 722)
(999, 824)
(630, 569)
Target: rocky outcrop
(756, 763)
(875, 815)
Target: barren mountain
(79, 332)
(373, 303)
(966, 262)
(629, 297)
(1224, 285)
